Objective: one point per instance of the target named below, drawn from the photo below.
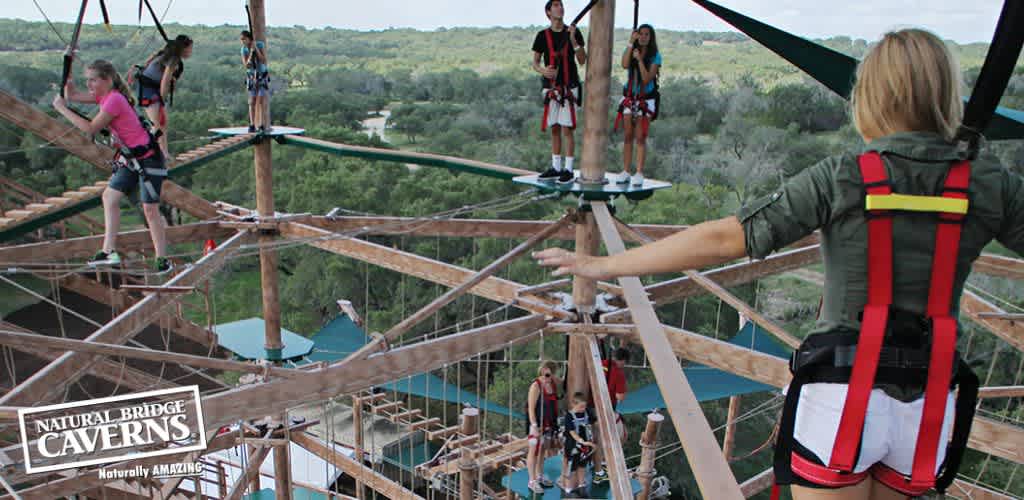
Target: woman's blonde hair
(909, 81)
(106, 70)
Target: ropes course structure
(118, 330)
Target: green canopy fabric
(709, 383)
(836, 70)
(341, 337)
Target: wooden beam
(997, 438)
(970, 491)
(158, 289)
(463, 228)
(21, 340)
(251, 470)
(729, 441)
(973, 305)
(120, 300)
(53, 378)
(361, 374)
(86, 246)
(678, 289)
(109, 370)
(435, 305)
(714, 477)
(758, 483)
(492, 288)
(726, 297)
(1006, 391)
(376, 481)
(648, 454)
(611, 445)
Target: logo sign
(106, 430)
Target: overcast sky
(963, 21)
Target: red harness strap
(558, 93)
(636, 102)
(873, 326)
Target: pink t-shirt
(125, 125)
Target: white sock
(568, 162)
(556, 162)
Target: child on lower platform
(579, 445)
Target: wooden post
(255, 455)
(357, 422)
(222, 480)
(595, 143)
(649, 445)
(729, 442)
(268, 263)
(470, 421)
(468, 468)
(283, 466)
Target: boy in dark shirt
(561, 48)
(579, 445)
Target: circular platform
(274, 131)
(595, 192)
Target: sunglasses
(546, 375)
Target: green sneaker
(102, 258)
(163, 265)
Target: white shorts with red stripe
(563, 114)
(651, 107)
(890, 430)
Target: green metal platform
(596, 192)
(275, 131)
(245, 338)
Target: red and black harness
(560, 93)
(634, 98)
(893, 347)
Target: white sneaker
(536, 487)
(638, 179)
(622, 178)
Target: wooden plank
(392, 405)
(496, 289)
(442, 433)
(18, 214)
(78, 195)
(973, 305)
(16, 339)
(545, 287)
(423, 424)
(614, 458)
(355, 375)
(158, 289)
(86, 246)
(714, 477)
(57, 200)
(51, 380)
(38, 207)
(435, 305)
(374, 480)
(408, 415)
(727, 297)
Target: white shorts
(651, 107)
(559, 114)
(890, 427)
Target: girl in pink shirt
(117, 114)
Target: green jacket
(830, 196)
